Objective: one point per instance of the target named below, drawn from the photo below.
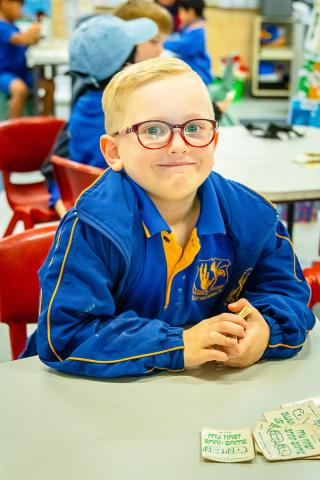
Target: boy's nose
(177, 144)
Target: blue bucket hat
(100, 46)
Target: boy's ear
(109, 150)
(215, 140)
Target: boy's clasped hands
(227, 338)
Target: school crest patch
(235, 293)
(211, 278)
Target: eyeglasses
(155, 134)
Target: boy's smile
(174, 172)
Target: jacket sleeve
(277, 288)
(6, 33)
(80, 329)
(188, 44)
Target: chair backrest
(72, 178)
(21, 256)
(312, 275)
(25, 142)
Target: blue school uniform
(190, 46)
(117, 290)
(13, 63)
(86, 125)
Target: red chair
(24, 144)
(21, 256)
(312, 275)
(72, 178)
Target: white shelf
(275, 53)
(269, 92)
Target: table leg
(36, 72)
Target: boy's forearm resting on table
(79, 330)
(277, 289)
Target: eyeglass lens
(158, 134)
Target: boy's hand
(200, 340)
(29, 37)
(32, 35)
(251, 347)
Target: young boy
(15, 77)
(159, 242)
(190, 43)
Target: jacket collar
(111, 204)
(207, 223)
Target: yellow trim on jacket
(56, 289)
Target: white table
(267, 165)
(47, 53)
(53, 51)
(54, 426)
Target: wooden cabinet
(229, 30)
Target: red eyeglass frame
(135, 127)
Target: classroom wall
(230, 30)
(227, 30)
(58, 23)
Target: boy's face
(175, 171)
(11, 9)
(150, 49)
(186, 16)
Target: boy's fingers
(229, 317)
(231, 328)
(211, 355)
(239, 305)
(239, 349)
(216, 338)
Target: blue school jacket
(86, 125)
(105, 309)
(190, 46)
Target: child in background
(160, 242)
(15, 77)
(80, 138)
(99, 47)
(190, 43)
(172, 7)
(147, 8)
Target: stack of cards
(291, 432)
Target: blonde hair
(136, 75)
(146, 8)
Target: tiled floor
(306, 235)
